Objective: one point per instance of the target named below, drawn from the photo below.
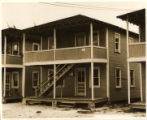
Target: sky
(24, 15)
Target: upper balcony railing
(137, 49)
(61, 54)
(12, 59)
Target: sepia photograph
(73, 59)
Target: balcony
(12, 59)
(137, 50)
(65, 54)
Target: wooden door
(81, 82)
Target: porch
(138, 105)
(78, 100)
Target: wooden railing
(12, 59)
(137, 49)
(72, 53)
(100, 52)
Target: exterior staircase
(61, 70)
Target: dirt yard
(19, 110)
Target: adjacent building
(136, 56)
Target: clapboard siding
(73, 53)
(135, 91)
(100, 52)
(142, 33)
(29, 91)
(144, 80)
(117, 60)
(12, 59)
(137, 50)
(39, 56)
(15, 92)
(69, 87)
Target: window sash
(50, 43)
(117, 42)
(35, 44)
(80, 40)
(96, 38)
(118, 77)
(97, 77)
(35, 81)
(15, 51)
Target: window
(15, 79)
(117, 42)
(118, 77)
(50, 43)
(35, 46)
(15, 48)
(9, 48)
(96, 77)
(35, 79)
(132, 80)
(80, 40)
(96, 38)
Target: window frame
(98, 38)
(84, 39)
(133, 78)
(95, 86)
(34, 43)
(117, 35)
(118, 86)
(16, 72)
(33, 79)
(99, 77)
(13, 48)
(49, 43)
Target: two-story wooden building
(136, 56)
(12, 60)
(76, 60)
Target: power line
(92, 6)
(83, 6)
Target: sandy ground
(19, 110)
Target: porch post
(92, 63)
(41, 43)
(141, 95)
(128, 64)
(54, 93)
(5, 55)
(40, 79)
(107, 66)
(23, 69)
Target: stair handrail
(46, 82)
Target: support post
(40, 79)
(41, 43)
(107, 66)
(5, 55)
(141, 94)
(54, 94)
(92, 63)
(23, 69)
(128, 64)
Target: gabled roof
(136, 17)
(69, 22)
(11, 31)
